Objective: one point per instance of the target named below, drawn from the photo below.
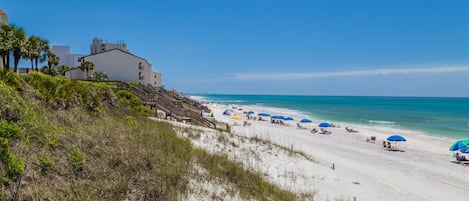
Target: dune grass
(74, 140)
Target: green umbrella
(459, 144)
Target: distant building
(65, 58)
(155, 79)
(120, 65)
(99, 46)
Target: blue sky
(390, 48)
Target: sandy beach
(343, 165)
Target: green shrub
(127, 98)
(14, 167)
(11, 104)
(133, 102)
(77, 159)
(53, 141)
(45, 163)
(9, 78)
(8, 130)
(4, 150)
(61, 92)
(143, 110)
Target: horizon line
(376, 72)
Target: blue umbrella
(465, 150)
(288, 118)
(459, 144)
(277, 117)
(251, 112)
(305, 121)
(396, 138)
(325, 124)
(226, 112)
(263, 115)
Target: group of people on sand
(277, 121)
(386, 145)
(460, 157)
(323, 131)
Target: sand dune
(340, 166)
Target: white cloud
(311, 75)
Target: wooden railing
(167, 103)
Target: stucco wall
(119, 65)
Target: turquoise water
(444, 117)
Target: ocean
(442, 117)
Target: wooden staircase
(170, 106)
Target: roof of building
(118, 50)
(1, 12)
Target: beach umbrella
(305, 121)
(459, 144)
(324, 124)
(465, 150)
(226, 112)
(236, 117)
(288, 118)
(396, 138)
(263, 115)
(251, 112)
(278, 117)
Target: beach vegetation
(98, 76)
(289, 150)
(87, 66)
(75, 140)
(61, 70)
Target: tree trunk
(8, 62)
(4, 61)
(36, 60)
(16, 61)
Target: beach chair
(298, 125)
(325, 132)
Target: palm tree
(62, 69)
(99, 76)
(6, 40)
(88, 66)
(52, 60)
(18, 45)
(32, 49)
(43, 49)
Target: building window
(140, 76)
(140, 66)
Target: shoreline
(424, 165)
(426, 124)
(378, 127)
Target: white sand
(363, 170)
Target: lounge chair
(325, 132)
(298, 125)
